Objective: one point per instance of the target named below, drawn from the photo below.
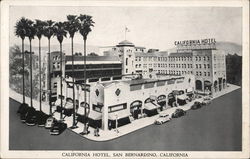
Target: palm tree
(60, 33)
(72, 26)
(48, 32)
(86, 23)
(30, 33)
(20, 31)
(39, 26)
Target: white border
(5, 153)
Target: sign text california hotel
(195, 42)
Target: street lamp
(116, 123)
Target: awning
(95, 115)
(151, 106)
(119, 114)
(68, 105)
(189, 90)
(58, 102)
(182, 97)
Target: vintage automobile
(23, 110)
(206, 101)
(31, 117)
(49, 122)
(58, 128)
(41, 118)
(196, 105)
(163, 118)
(178, 113)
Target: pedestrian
(87, 125)
(97, 131)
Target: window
(97, 108)
(199, 58)
(200, 73)
(55, 85)
(196, 65)
(126, 61)
(208, 74)
(117, 107)
(126, 70)
(205, 65)
(205, 74)
(54, 65)
(208, 66)
(200, 65)
(197, 73)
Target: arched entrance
(216, 86)
(161, 100)
(224, 83)
(198, 85)
(135, 108)
(81, 116)
(150, 106)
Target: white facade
(207, 64)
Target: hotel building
(192, 57)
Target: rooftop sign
(196, 44)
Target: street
(217, 127)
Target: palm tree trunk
(85, 79)
(61, 79)
(23, 71)
(31, 86)
(40, 81)
(73, 78)
(49, 80)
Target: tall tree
(39, 26)
(86, 23)
(48, 32)
(20, 31)
(30, 33)
(72, 25)
(60, 33)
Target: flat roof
(92, 58)
(140, 81)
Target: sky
(151, 27)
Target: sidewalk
(123, 130)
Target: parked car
(196, 105)
(22, 107)
(162, 119)
(31, 118)
(178, 113)
(42, 118)
(49, 122)
(58, 128)
(206, 101)
(23, 110)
